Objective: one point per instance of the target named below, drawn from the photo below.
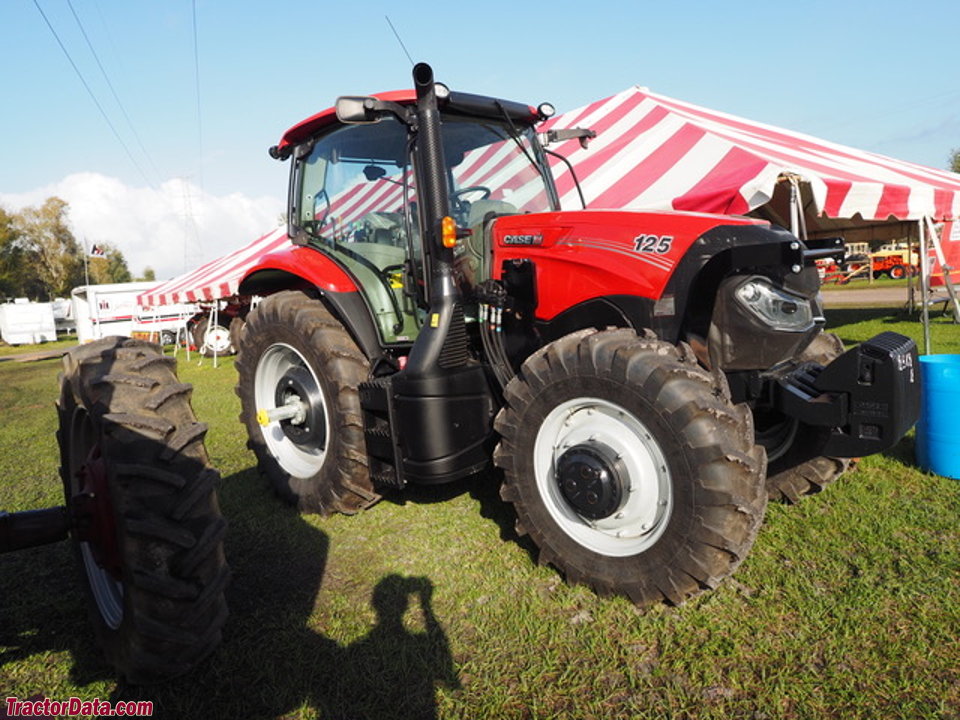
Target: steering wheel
(456, 195)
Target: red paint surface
(587, 254)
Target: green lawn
(863, 283)
(848, 606)
(64, 343)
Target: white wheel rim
(297, 460)
(217, 339)
(645, 511)
(107, 592)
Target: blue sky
(882, 76)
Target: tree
(49, 247)
(110, 267)
(18, 268)
(10, 278)
(149, 274)
(955, 160)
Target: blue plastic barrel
(938, 431)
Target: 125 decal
(659, 244)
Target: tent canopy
(653, 152)
(218, 278)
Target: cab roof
(457, 103)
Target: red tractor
(644, 380)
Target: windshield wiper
(515, 135)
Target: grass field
(847, 607)
(863, 283)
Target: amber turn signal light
(448, 232)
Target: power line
(116, 97)
(92, 96)
(398, 39)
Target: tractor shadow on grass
(484, 488)
(904, 452)
(841, 316)
(275, 659)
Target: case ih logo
(523, 239)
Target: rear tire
(150, 533)
(681, 495)
(800, 469)
(237, 325)
(897, 272)
(293, 349)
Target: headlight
(777, 308)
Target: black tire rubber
(802, 470)
(897, 272)
(716, 471)
(121, 398)
(237, 325)
(342, 482)
(199, 333)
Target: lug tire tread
(343, 483)
(171, 550)
(730, 495)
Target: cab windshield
(357, 200)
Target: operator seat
(475, 260)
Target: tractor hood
(584, 254)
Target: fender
(314, 267)
(297, 267)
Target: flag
(97, 251)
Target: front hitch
(869, 397)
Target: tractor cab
(356, 196)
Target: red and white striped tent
(655, 152)
(216, 279)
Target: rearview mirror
(374, 172)
(353, 110)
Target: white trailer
(102, 310)
(26, 323)
(63, 316)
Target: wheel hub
(590, 477)
(310, 427)
(603, 476)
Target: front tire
(294, 353)
(149, 535)
(630, 470)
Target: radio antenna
(397, 35)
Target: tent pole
(945, 268)
(216, 323)
(911, 285)
(794, 208)
(924, 287)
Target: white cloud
(150, 227)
